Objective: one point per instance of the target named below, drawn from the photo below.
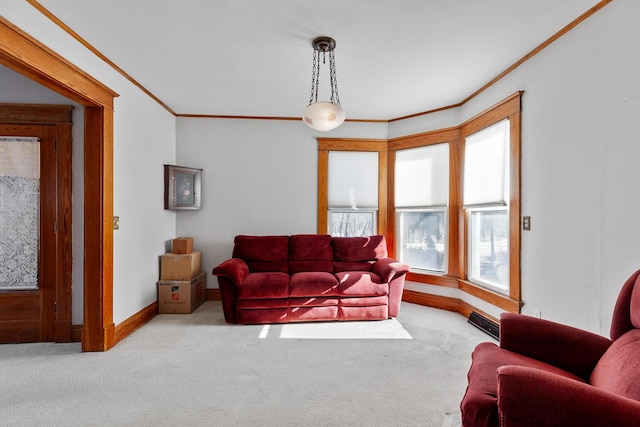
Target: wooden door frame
(25, 55)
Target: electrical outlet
(526, 223)
(537, 314)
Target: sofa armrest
(235, 269)
(574, 350)
(389, 268)
(532, 397)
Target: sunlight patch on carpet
(379, 329)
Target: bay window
(447, 200)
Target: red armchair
(547, 374)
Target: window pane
(422, 176)
(353, 179)
(489, 247)
(352, 224)
(19, 212)
(486, 165)
(421, 239)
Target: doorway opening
(25, 55)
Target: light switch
(116, 223)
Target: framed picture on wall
(182, 188)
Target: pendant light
(323, 116)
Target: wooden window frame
(510, 108)
(326, 145)
(452, 137)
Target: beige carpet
(195, 370)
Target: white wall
(426, 122)
(579, 167)
(144, 140)
(259, 177)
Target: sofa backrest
(357, 253)
(310, 252)
(626, 313)
(263, 253)
(618, 370)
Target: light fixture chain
(317, 77)
(335, 98)
(314, 90)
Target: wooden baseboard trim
(502, 301)
(134, 322)
(465, 309)
(430, 300)
(76, 333)
(443, 303)
(213, 295)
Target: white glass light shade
(323, 116)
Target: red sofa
(548, 374)
(309, 277)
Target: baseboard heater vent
(485, 325)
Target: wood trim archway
(25, 55)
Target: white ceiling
(253, 57)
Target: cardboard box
(182, 245)
(180, 266)
(182, 296)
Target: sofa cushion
(618, 370)
(479, 405)
(313, 284)
(361, 284)
(264, 285)
(310, 247)
(359, 248)
(376, 312)
(310, 252)
(263, 253)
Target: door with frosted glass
(31, 282)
